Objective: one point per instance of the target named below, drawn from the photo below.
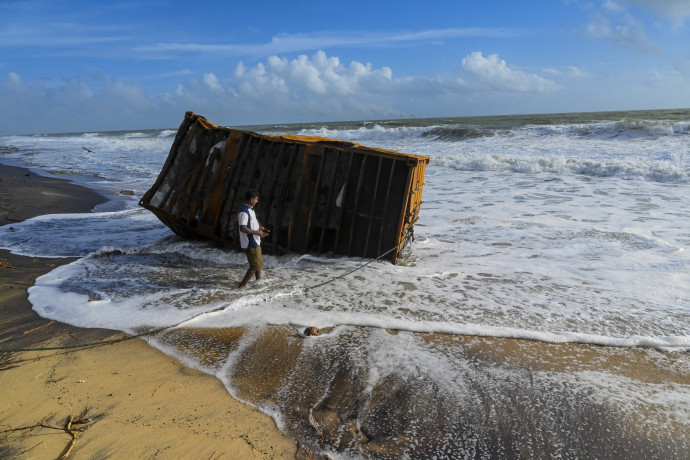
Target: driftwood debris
(318, 195)
(39, 327)
(68, 428)
(7, 361)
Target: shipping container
(317, 195)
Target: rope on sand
(162, 329)
(87, 345)
(309, 288)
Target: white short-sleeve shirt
(247, 217)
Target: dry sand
(141, 403)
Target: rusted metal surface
(318, 195)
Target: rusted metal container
(318, 195)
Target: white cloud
(358, 88)
(627, 33)
(570, 72)
(615, 22)
(211, 81)
(613, 6)
(306, 77)
(320, 85)
(290, 43)
(577, 72)
(493, 72)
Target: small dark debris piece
(312, 331)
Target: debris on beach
(69, 428)
(312, 331)
(318, 195)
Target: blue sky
(70, 66)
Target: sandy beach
(135, 401)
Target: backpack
(236, 232)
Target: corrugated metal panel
(318, 195)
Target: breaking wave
(660, 171)
(369, 133)
(625, 129)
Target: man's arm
(261, 232)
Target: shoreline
(140, 401)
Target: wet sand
(140, 403)
(517, 398)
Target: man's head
(251, 197)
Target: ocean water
(570, 228)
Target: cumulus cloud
(315, 76)
(320, 85)
(493, 72)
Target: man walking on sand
(251, 232)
